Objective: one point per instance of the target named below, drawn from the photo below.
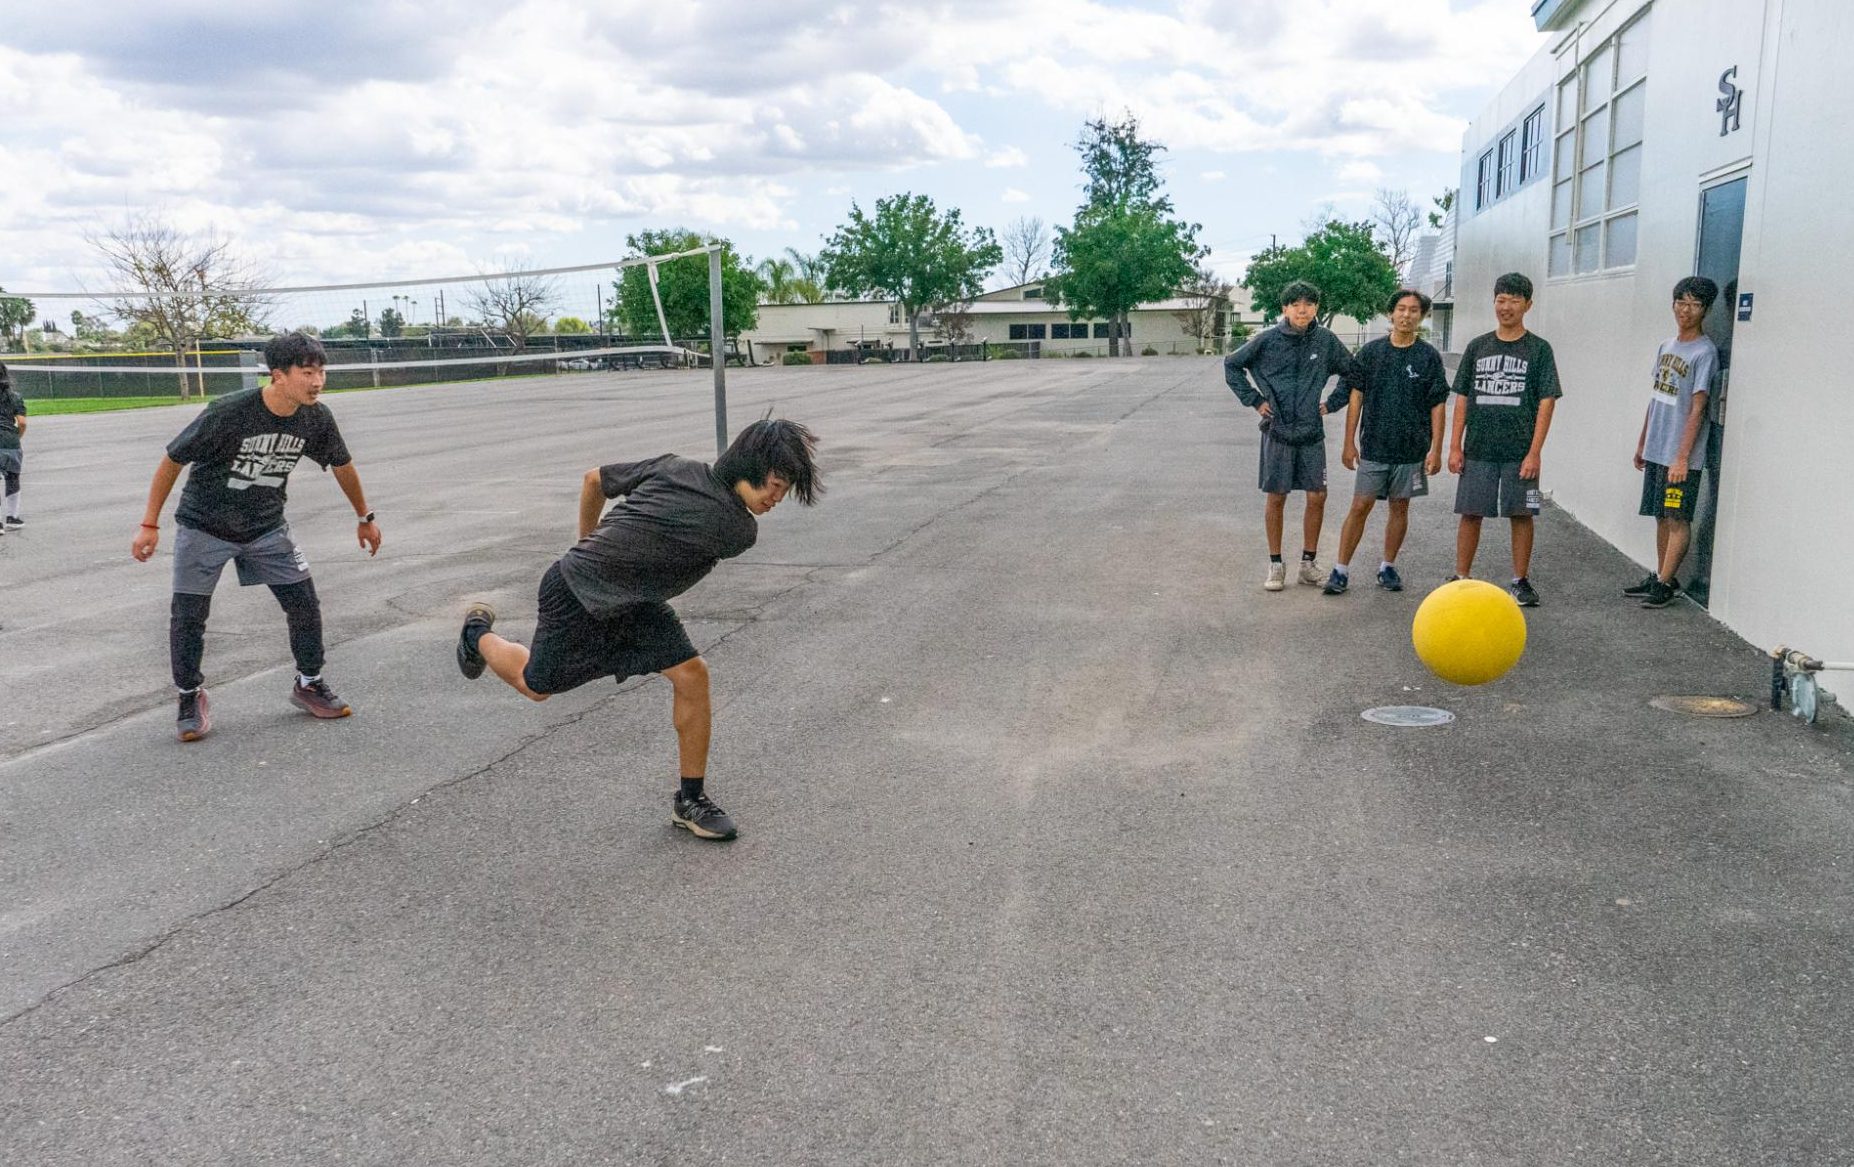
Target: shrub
(796, 359)
(1083, 353)
(1149, 351)
(936, 359)
(1005, 354)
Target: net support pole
(717, 356)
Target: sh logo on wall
(1730, 105)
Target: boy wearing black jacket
(1280, 374)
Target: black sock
(1306, 557)
(1274, 559)
(691, 788)
(473, 634)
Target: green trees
(910, 253)
(683, 285)
(1124, 247)
(16, 315)
(1353, 274)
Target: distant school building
(1650, 141)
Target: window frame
(1483, 181)
(1592, 180)
(1531, 140)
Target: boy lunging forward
(604, 608)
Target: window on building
(1058, 332)
(1597, 157)
(1483, 183)
(1100, 331)
(1018, 332)
(1035, 293)
(1508, 160)
(1037, 331)
(1531, 139)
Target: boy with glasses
(1672, 445)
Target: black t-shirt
(12, 407)
(676, 522)
(242, 455)
(1401, 386)
(1504, 381)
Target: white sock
(1342, 569)
(1386, 564)
(307, 681)
(12, 504)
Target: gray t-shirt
(676, 521)
(1681, 369)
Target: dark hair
(1513, 284)
(773, 446)
(288, 350)
(1403, 293)
(1300, 290)
(1700, 288)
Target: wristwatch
(366, 518)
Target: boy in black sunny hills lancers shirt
(1506, 391)
(604, 606)
(1393, 434)
(1290, 364)
(242, 448)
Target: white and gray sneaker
(1311, 572)
(1277, 577)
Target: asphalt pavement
(1062, 841)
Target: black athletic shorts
(572, 646)
(1669, 500)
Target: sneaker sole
(319, 711)
(701, 832)
(1274, 587)
(193, 735)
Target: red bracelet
(151, 526)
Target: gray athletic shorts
(12, 461)
(268, 559)
(1391, 479)
(1288, 468)
(1494, 490)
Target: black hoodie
(1289, 370)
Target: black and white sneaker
(193, 722)
(1336, 583)
(14, 522)
(1523, 592)
(1641, 589)
(1389, 580)
(470, 660)
(702, 818)
(1660, 595)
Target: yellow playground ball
(1469, 631)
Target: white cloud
(574, 123)
(1013, 195)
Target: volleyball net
(187, 341)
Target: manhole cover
(1705, 706)
(1407, 715)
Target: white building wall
(1785, 533)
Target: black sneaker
(702, 818)
(1641, 589)
(14, 522)
(1522, 591)
(193, 722)
(1659, 595)
(318, 699)
(1336, 583)
(1389, 580)
(469, 661)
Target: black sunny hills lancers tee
(242, 455)
(1504, 381)
(1401, 387)
(676, 521)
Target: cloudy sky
(345, 141)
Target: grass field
(41, 406)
